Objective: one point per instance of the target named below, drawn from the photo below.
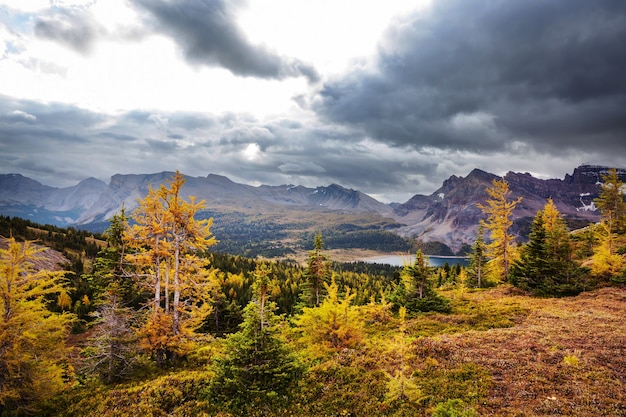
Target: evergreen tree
(258, 368)
(476, 268)
(112, 274)
(417, 274)
(113, 349)
(415, 290)
(529, 271)
(317, 271)
(546, 265)
(501, 250)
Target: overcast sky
(387, 97)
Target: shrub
(454, 408)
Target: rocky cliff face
(451, 214)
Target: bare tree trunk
(167, 287)
(157, 278)
(176, 312)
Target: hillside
(50, 259)
(502, 353)
(493, 352)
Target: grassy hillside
(499, 353)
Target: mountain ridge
(449, 215)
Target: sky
(388, 97)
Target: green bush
(454, 408)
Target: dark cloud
(487, 76)
(75, 28)
(62, 144)
(191, 121)
(208, 34)
(19, 116)
(528, 85)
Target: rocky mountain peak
(449, 215)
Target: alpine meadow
(147, 320)
(312, 208)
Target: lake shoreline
(401, 260)
(366, 255)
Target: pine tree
(501, 250)
(258, 368)
(111, 273)
(417, 274)
(529, 271)
(415, 290)
(476, 268)
(546, 265)
(32, 337)
(317, 271)
(113, 349)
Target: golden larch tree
(332, 326)
(499, 209)
(168, 241)
(32, 337)
(606, 261)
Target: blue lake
(401, 260)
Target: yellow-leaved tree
(333, 325)
(606, 262)
(501, 249)
(611, 201)
(401, 387)
(168, 242)
(32, 337)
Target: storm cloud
(208, 34)
(493, 76)
(279, 151)
(502, 85)
(75, 28)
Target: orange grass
(566, 357)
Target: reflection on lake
(401, 260)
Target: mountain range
(278, 216)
